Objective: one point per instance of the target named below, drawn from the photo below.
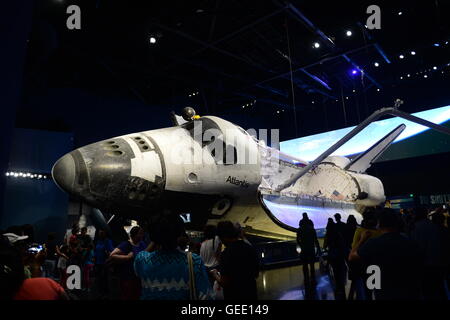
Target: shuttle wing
(364, 160)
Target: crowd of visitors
(411, 249)
(224, 266)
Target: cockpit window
(198, 128)
(206, 131)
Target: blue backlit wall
(36, 201)
(416, 140)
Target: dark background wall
(38, 202)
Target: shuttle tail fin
(364, 160)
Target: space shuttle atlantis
(215, 170)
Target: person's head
(51, 236)
(306, 223)
(351, 220)
(305, 215)
(83, 231)
(209, 231)
(369, 219)
(28, 230)
(136, 234)
(75, 229)
(330, 225)
(239, 230)
(420, 213)
(227, 232)
(11, 273)
(166, 230)
(16, 230)
(101, 234)
(389, 221)
(337, 217)
(438, 218)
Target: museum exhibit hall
(226, 156)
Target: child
(62, 264)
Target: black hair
(388, 218)
(351, 221)
(226, 229)
(75, 229)
(420, 213)
(51, 236)
(369, 219)
(166, 229)
(134, 231)
(438, 218)
(209, 231)
(337, 216)
(11, 273)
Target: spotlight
(378, 89)
(152, 40)
(401, 56)
(434, 68)
(278, 111)
(408, 75)
(413, 53)
(348, 33)
(354, 90)
(316, 45)
(401, 78)
(400, 13)
(425, 76)
(7, 174)
(376, 64)
(436, 44)
(39, 176)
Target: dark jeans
(340, 274)
(433, 283)
(101, 278)
(309, 273)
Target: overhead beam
(377, 46)
(362, 71)
(313, 64)
(242, 29)
(298, 15)
(327, 41)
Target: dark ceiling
(245, 59)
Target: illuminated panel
(287, 212)
(412, 138)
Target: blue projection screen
(416, 140)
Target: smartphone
(35, 249)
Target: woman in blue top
(164, 273)
(124, 256)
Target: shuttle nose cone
(64, 173)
